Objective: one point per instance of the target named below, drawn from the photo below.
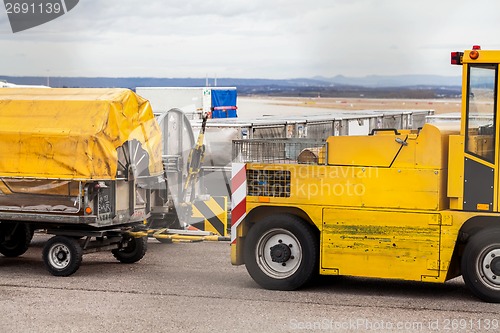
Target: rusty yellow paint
(387, 244)
(73, 133)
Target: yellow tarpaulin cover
(73, 133)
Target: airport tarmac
(257, 106)
(192, 287)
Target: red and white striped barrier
(239, 197)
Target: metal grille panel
(268, 183)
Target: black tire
(281, 252)
(134, 250)
(62, 255)
(481, 265)
(15, 238)
(32, 232)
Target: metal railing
(278, 151)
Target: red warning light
(476, 47)
(456, 58)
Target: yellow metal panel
(73, 133)
(463, 108)
(404, 188)
(485, 56)
(456, 172)
(427, 149)
(383, 244)
(450, 228)
(373, 150)
(432, 145)
(329, 271)
(237, 254)
(362, 187)
(406, 156)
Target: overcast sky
(251, 38)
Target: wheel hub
(491, 266)
(495, 266)
(61, 255)
(280, 253)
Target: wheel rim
(489, 266)
(59, 256)
(278, 253)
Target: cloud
(275, 39)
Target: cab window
(481, 107)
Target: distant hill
(372, 81)
(394, 81)
(376, 86)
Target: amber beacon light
(474, 54)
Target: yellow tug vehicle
(419, 205)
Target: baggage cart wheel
(281, 252)
(133, 251)
(15, 238)
(62, 255)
